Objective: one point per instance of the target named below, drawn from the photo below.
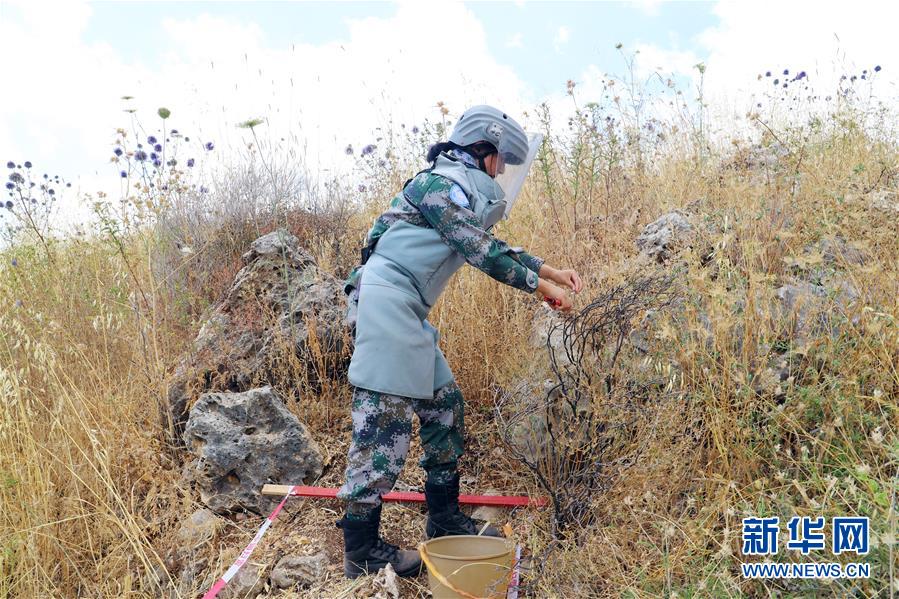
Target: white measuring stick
(245, 554)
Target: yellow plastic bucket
(467, 566)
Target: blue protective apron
(396, 348)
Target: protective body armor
(396, 348)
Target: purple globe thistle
(877, 69)
(843, 78)
(174, 132)
(14, 262)
(16, 178)
(853, 78)
(190, 162)
(415, 129)
(172, 162)
(157, 163)
(348, 150)
(52, 192)
(786, 71)
(209, 145)
(140, 155)
(153, 156)
(203, 189)
(767, 73)
(158, 147)
(117, 151)
(68, 184)
(8, 204)
(361, 188)
(777, 82)
(123, 174)
(151, 140)
(27, 164)
(10, 164)
(801, 75)
(10, 185)
(368, 149)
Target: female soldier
(437, 222)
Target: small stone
(302, 571)
(198, 529)
(246, 584)
(488, 513)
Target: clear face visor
(513, 167)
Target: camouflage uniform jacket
(443, 206)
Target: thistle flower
(368, 149)
(153, 156)
(157, 163)
(10, 164)
(17, 178)
(174, 132)
(415, 130)
(14, 262)
(877, 69)
(10, 185)
(777, 82)
(786, 71)
(117, 151)
(140, 155)
(767, 73)
(123, 174)
(8, 204)
(158, 147)
(151, 140)
(361, 188)
(203, 189)
(27, 164)
(52, 192)
(190, 162)
(172, 162)
(209, 145)
(348, 150)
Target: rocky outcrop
(281, 309)
(243, 441)
(661, 237)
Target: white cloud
(648, 7)
(563, 34)
(514, 41)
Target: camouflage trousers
(382, 431)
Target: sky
(325, 75)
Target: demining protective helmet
(516, 148)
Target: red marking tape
(495, 500)
(245, 554)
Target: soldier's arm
(461, 230)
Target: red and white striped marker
(245, 554)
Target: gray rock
(198, 529)
(248, 583)
(280, 307)
(243, 441)
(303, 571)
(660, 237)
(837, 251)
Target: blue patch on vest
(458, 196)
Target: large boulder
(281, 309)
(243, 441)
(660, 237)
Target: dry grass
(91, 499)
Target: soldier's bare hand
(570, 279)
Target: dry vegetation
(91, 496)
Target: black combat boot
(444, 516)
(365, 552)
